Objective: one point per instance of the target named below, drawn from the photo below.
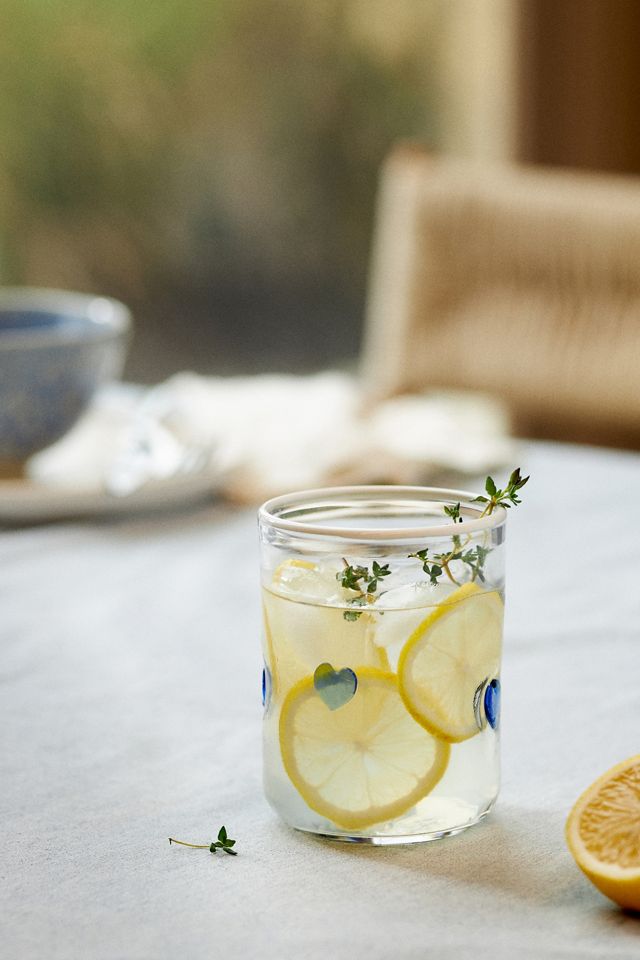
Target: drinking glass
(383, 612)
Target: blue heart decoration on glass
(266, 687)
(492, 703)
(335, 687)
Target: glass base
(388, 840)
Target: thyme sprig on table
(222, 843)
(363, 582)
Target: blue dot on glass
(492, 703)
(266, 686)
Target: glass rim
(268, 513)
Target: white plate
(27, 501)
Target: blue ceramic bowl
(56, 348)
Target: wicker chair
(524, 282)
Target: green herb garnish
(363, 582)
(474, 558)
(454, 513)
(431, 568)
(352, 614)
(506, 498)
(350, 577)
(222, 843)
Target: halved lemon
(364, 763)
(446, 661)
(302, 629)
(603, 833)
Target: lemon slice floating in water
(448, 658)
(302, 628)
(603, 833)
(364, 763)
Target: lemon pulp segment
(603, 833)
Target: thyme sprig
(222, 843)
(506, 498)
(475, 558)
(433, 569)
(441, 562)
(363, 582)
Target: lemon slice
(603, 833)
(447, 660)
(364, 763)
(302, 629)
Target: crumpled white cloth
(263, 435)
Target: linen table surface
(130, 711)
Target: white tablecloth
(130, 711)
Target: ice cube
(400, 611)
(306, 580)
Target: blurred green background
(211, 162)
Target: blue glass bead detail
(492, 703)
(266, 687)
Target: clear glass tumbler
(383, 611)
